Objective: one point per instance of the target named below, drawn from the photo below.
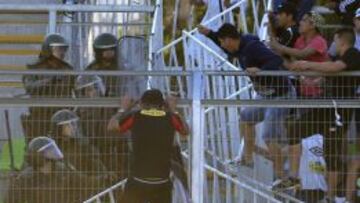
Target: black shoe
(286, 184)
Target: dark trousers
(138, 192)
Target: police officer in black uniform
(105, 48)
(47, 179)
(94, 121)
(79, 154)
(52, 57)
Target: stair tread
(19, 52)
(17, 38)
(12, 67)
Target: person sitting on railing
(51, 58)
(340, 87)
(106, 48)
(46, 179)
(254, 56)
(152, 131)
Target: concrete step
(18, 60)
(12, 67)
(30, 1)
(6, 17)
(20, 46)
(33, 29)
(14, 84)
(19, 52)
(21, 38)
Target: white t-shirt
(312, 164)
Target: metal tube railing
(77, 8)
(197, 150)
(210, 50)
(152, 34)
(174, 73)
(105, 192)
(198, 162)
(241, 185)
(230, 9)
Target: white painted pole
(197, 155)
(52, 21)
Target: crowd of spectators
(297, 44)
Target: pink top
(311, 86)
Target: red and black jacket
(152, 133)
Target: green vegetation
(19, 152)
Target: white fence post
(197, 153)
(52, 21)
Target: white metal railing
(52, 9)
(200, 131)
(109, 192)
(199, 56)
(263, 32)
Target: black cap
(288, 8)
(228, 30)
(153, 97)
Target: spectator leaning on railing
(341, 87)
(310, 46)
(254, 56)
(283, 25)
(356, 21)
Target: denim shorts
(272, 118)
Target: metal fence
(82, 102)
(216, 138)
(215, 94)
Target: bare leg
(276, 152)
(294, 158)
(247, 129)
(351, 178)
(333, 181)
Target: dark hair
(346, 34)
(288, 8)
(228, 30)
(152, 97)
